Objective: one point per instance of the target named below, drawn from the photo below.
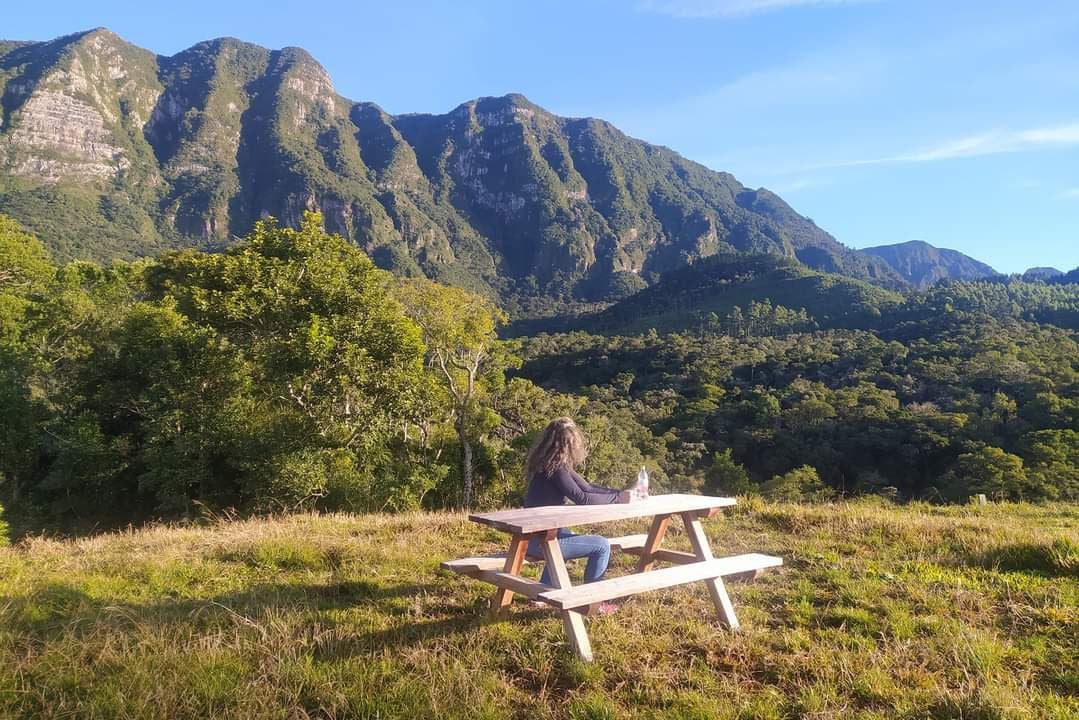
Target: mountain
(921, 264)
(1042, 273)
(108, 150)
(683, 298)
(1070, 277)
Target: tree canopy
(289, 371)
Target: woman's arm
(589, 487)
(580, 492)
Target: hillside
(1041, 273)
(922, 265)
(879, 612)
(720, 283)
(108, 150)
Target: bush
(728, 477)
(801, 483)
(989, 470)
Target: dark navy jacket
(563, 483)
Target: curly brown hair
(561, 444)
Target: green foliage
(458, 330)
(24, 269)
(278, 374)
(887, 409)
(291, 372)
(727, 477)
(801, 483)
(988, 470)
(748, 295)
(1057, 557)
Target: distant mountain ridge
(108, 150)
(922, 264)
(1042, 273)
(686, 297)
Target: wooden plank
(703, 550)
(628, 543)
(473, 565)
(655, 537)
(665, 555)
(584, 595)
(523, 521)
(504, 596)
(513, 583)
(573, 622)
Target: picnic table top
(522, 521)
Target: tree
(1053, 463)
(989, 470)
(24, 262)
(801, 483)
(24, 268)
(727, 476)
(458, 329)
(276, 374)
(316, 318)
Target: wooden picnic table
(543, 523)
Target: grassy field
(881, 612)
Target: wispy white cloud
(1069, 194)
(991, 142)
(728, 8)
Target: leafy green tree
(801, 483)
(989, 470)
(1053, 463)
(316, 320)
(24, 269)
(463, 349)
(727, 476)
(183, 395)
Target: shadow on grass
(62, 610)
(1054, 558)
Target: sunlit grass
(879, 612)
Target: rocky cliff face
(107, 150)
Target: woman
(552, 480)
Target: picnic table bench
(504, 570)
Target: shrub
(728, 476)
(989, 470)
(801, 483)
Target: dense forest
(290, 372)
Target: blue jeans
(594, 547)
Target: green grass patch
(880, 611)
(1056, 557)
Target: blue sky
(952, 122)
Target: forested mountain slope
(107, 150)
(711, 289)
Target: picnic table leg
(651, 544)
(514, 559)
(703, 550)
(572, 621)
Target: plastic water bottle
(642, 483)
